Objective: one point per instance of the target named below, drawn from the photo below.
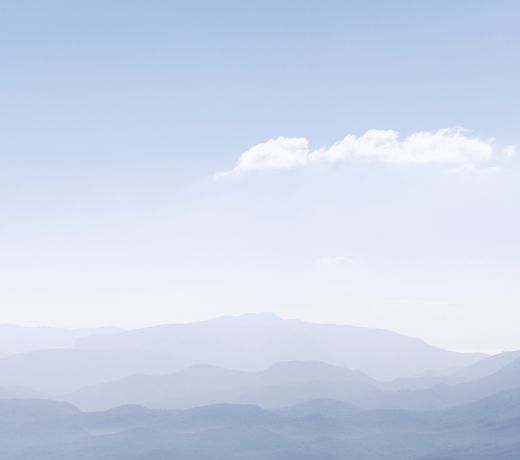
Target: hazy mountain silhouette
(480, 369)
(63, 370)
(487, 366)
(374, 395)
(21, 393)
(282, 384)
(316, 430)
(292, 383)
(502, 405)
(506, 378)
(248, 343)
(142, 367)
(21, 339)
(319, 407)
(286, 384)
(19, 412)
(444, 395)
(255, 342)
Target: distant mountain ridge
(480, 369)
(170, 396)
(257, 341)
(23, 339)
(246, 343)
(204, 385)
(7, 393)
(291, 383)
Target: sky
(332, 161)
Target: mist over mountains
(317, 430)
(247, 343)
(253, 386)
(255, 342)
(19, 339)
(293, 383)
(344, 161)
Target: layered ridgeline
(280, 385)
(255, 342)
(244, 343)
(257, 387)
(296, 382)
(315, 430)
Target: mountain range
(21, 339)
(256, 387)
(255, 342)
(292, 383)
(316, 430)
(244, 343)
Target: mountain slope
(246, 343)
(285, 384)
(20, 393)
(202, 385)
(481, 368)
(444, 395)
(255, 342)
(22, 339)
(317, 430)
(64, 370)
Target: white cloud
(446, 146)
(454, 147)
(279, 153)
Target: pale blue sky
(116, 115)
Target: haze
(166, 162)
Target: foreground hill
(317, 430)
(255, 342)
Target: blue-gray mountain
(20, 339)
(296, 382)
(318, 430)
(255, 387)
(255, 342)
(247, 343)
